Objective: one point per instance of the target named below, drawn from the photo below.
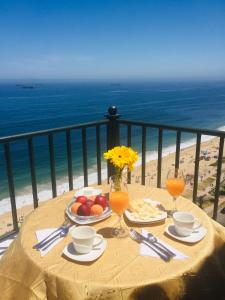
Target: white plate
(82, 220)
(88, 191)
(195, 237)
(70, 252)
(157, 218)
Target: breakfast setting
(111, 238)
(90, 205)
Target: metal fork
(161, 249)
(140, 239)
(64, 231)
(154, 240)
(55, 238)
(60, 228)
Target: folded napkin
(41, 234)
(146, 251)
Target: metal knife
(143, 238)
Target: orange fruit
(96, 210)
(75, 206)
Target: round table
(120, 273)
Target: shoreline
(187, 155)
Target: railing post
(113, 133)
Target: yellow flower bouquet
(121, 157)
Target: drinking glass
(175, 184)
(119, 202)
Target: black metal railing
(179, 131)
(28, 137)
(113, 124)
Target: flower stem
(118, 177)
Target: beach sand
(187, 156)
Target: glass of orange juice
(175, 184)
(119, 202)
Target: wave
(221, 128)
(63, 186)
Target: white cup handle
(99, 238)
(197, 224)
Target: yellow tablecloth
(120, 273)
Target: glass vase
(119, 202)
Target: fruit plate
(84, 220)
(160, 217)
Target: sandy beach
(207, 171)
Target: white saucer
(70, 252)
(195, 237)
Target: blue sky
(127, 39)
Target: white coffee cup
(185, 223)
(85, 239)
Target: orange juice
(175, 186)
(119, 202)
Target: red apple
(89, 203)
(83, 210)
(101, 200)
(81, 199)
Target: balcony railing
(113, 124)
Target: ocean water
(49, 105)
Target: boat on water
(24, 86)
